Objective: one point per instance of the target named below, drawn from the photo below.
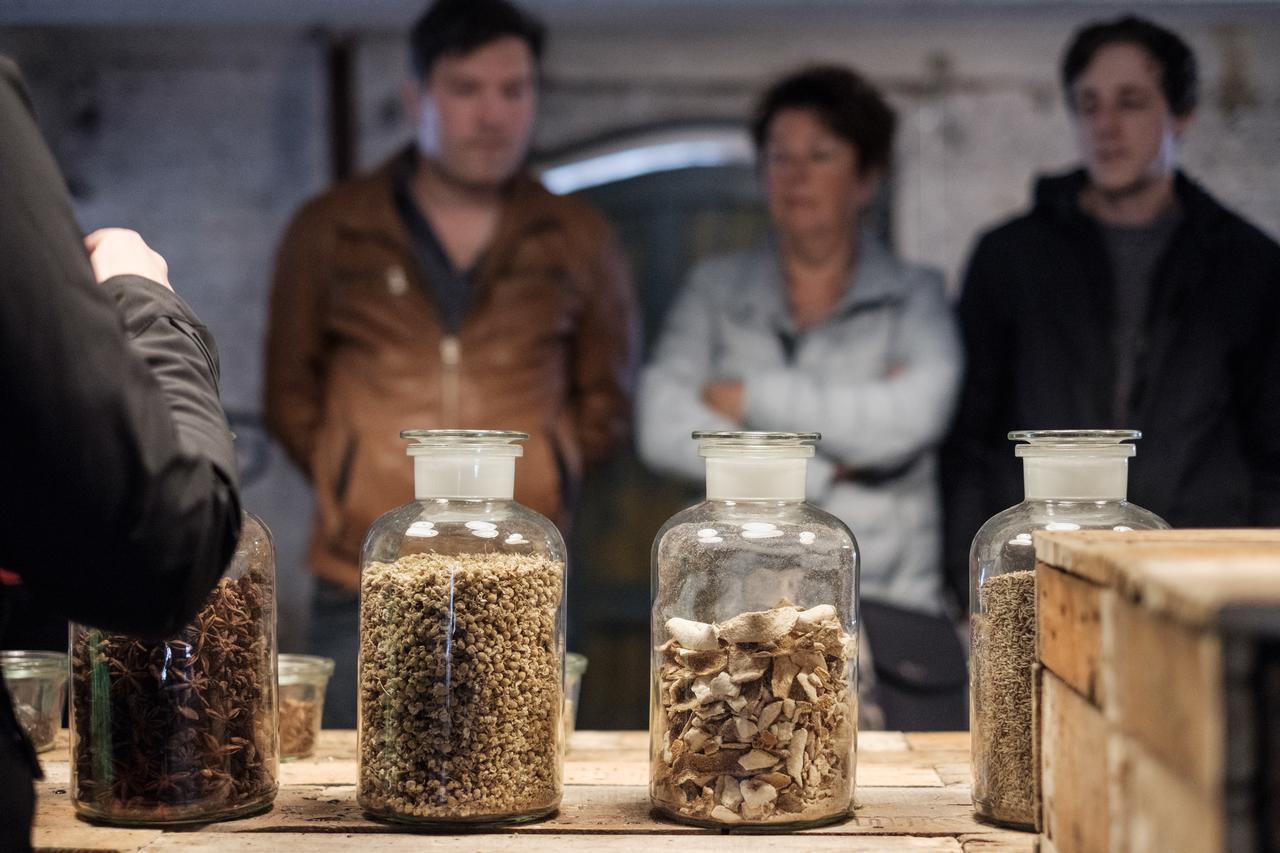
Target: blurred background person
(823, 328)
(445, 289)
(122, 504)
(1127, 298)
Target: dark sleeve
(1261, 394)
(977, 443)
(121, 500)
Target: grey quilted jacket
(878, 378)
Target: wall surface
(207, 139)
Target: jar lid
(494, 442)
(33, 664)
(1078, 442)
(303, 669)
(747, 443)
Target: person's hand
(119, 251)
(725, 398)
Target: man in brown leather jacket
(445, 289)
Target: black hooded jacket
(1036, 317)
(120, 505)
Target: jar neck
(465, 476)
(1069, 478)
(755, 479)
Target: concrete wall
(207, 140)
(205, 145)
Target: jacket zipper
(450, 362)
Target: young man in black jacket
(120, 506)
(1127, 298)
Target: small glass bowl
(37, 682)
(574, 666)
(303, 679)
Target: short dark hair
(457, 27)
(1179, 77)
(846, 103)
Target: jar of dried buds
(184, 730)
(461, 643)
(1075, 480)
(755, 623)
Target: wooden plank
(1189, 574)
(938, 741)
(586, 809)
(1195, 586)
(706, 843)
(900, 795)
(1098, 554)
(885, 776)
(998, 841)
(1167, 682)
(884, 759)
(1069, 629)
(1073, 763)
(614, 741)
(876, 741)
(92, 839)
(958, 773)
(1157, 810)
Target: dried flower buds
(460, 687)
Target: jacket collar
(1057, 196)
(875, 278)
(371, 212)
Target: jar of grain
(1074, 480)
(461, 643)
(755, 625)
(183, 730)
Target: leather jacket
(357, 352)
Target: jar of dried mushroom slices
(461, 643)
(183, 730)
(753, 718)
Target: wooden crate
(1160, 720)
(1074, 789)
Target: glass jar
(461, 643)
(183, 730)
(303, 679)
(1074, 480)
(37, 683)
(753, 696)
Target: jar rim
(1074, 437)
(749, 438)
(754, 447)
(295, 669)
(495, 443)
(454, 437)
(22, 663)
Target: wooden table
(913, 794)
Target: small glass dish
(303, 679)
(37, 683)
(574, 666)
